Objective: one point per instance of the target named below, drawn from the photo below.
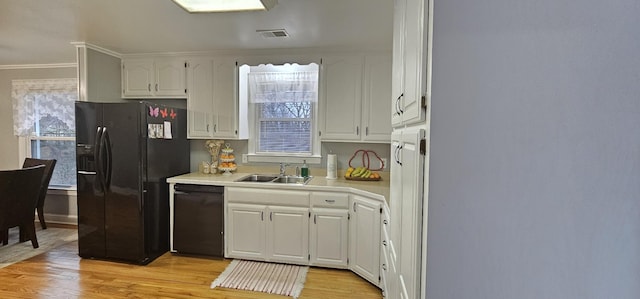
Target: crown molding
(38, 66)
(97, 48)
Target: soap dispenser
(304, 170)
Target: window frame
(24, 151)
(314, 157)
(24, 141)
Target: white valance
(283, 87)
(48, 97)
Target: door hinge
(185, 90)
(347, 261)
(423, 147)
(348, 216)
(423, 102)
(185, 64)
(309, 214)
(309, 256)
(380, 210)
(379, 279)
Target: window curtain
(283, 87)
(55, 96)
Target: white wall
(535, 150)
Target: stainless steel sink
(292, 179)
(264, 178)
(258, 178)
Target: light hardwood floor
(61, 273)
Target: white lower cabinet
(326, 229)
(270, 233)
(276, 230)
(364, 241)
(246, 231)
(288, 234)
(329, 230)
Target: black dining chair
(49, 165)
(19, 189)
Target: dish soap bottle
(304, 170)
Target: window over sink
(283, 104)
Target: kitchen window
(283, 103)
(44, 121)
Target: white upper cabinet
(376, 119)
(154, 78)
(411, 59)
(212, 101)
(341, 103)
(225, 98)
(355, 93)
(199, 98)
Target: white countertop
(375, 189)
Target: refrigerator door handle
(98, 158)
(107, 147)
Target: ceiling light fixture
(199, 6)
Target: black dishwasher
(198, 220)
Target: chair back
(19, 189)
(49, 165)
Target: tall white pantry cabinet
(405, 253)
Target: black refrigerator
(124, 153)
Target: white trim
(62, 219)
(38, 66)
(311, 159)
(69, 192)
(96, 48)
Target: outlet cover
(245, 159)
(384, 161)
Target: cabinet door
(397, 77)
(329, 237)
(410, 251)
(364, 238)
(288, 235)
(200, 98)
(342, 97)
(376, 120)
(137, 77)
(246, 231)
(395, 189)
(170, 77)
(414, 63)
(225, 99)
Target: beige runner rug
(281, 279)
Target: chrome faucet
(283, 169)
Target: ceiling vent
(273, 33)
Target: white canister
(332, 166)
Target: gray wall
(9, 145)
(343, 150)
(535, 150)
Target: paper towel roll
(332, 166)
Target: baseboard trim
(61, 219)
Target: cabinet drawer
(267, 196)
(330, 200)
